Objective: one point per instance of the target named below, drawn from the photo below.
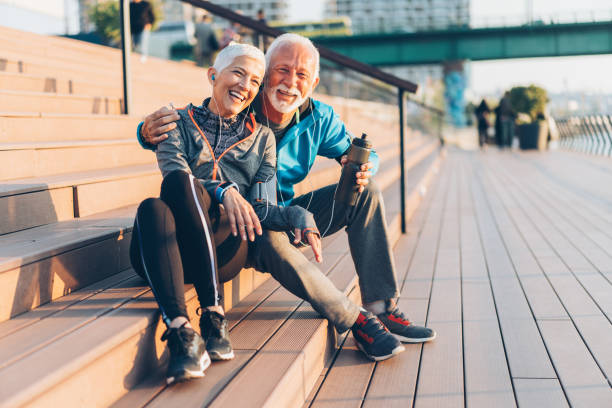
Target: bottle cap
(362, 142)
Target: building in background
(383, 16)
(389, 16)
(274, 9)
(42, 17)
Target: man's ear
(315, 83)
(211, 73)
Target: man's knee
(372, 194)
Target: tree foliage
(105, 16)
(530, 100)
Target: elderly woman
(217, 154)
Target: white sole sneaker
(395, 352)
(191, 374)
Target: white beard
(282, 106)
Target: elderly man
(305, 128)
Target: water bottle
(358, 154)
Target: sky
(589, 73)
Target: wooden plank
(526, 353)
(583, 311)
(199, 392)
(38, 335)
(29, 286)
(347, 380)
(26, 319)
(539, 392)
(394, 381)
(441, 374)
(38, 208)
(580, 376)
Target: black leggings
(174, 242)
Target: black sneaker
(213, 327)
(374, 339)
(403, 328)
(188, 356)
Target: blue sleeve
(143, 144)
(337, 139)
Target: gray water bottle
(358, 154)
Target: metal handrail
(590, 134)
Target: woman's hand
(241, 215)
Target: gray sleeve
(172, 153)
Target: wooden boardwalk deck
(509, 258)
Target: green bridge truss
(476, 44)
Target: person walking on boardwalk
(142, 19)
(206, 41)
(182, 236)
(305, 128)
(482, 117)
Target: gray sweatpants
(273, 252)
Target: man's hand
(157, 124)
(242, 217)
(313, 240)
(363, 176)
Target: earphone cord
(311, 191)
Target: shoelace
(372, 323)
(184, 337)
(398, 315)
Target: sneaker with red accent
(404, 329)
(374, 339)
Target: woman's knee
(178, 186)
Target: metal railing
(588, 134)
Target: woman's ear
(211, 73)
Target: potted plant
(530, 104)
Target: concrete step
(22, 101)
(38, 201)
(37, 159)
(18, 127)
(93, 351)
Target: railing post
(126, 51)
(400, 101)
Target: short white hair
(292, 38)
(235, 50)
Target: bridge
(475, 44)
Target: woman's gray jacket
(250, 163)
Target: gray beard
(283, 107)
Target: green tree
(105, 16)
(530, 100)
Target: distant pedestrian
(142, 19)
(482, 117)
(260, 40)
(230, 34)
(506, 116)
(206, 41)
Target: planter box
(533, 135)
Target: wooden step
(32, 202)
(39, 83)
(16, 101)
(53, 127)
(37, 159)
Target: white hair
(235, 50)
(291, 38)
